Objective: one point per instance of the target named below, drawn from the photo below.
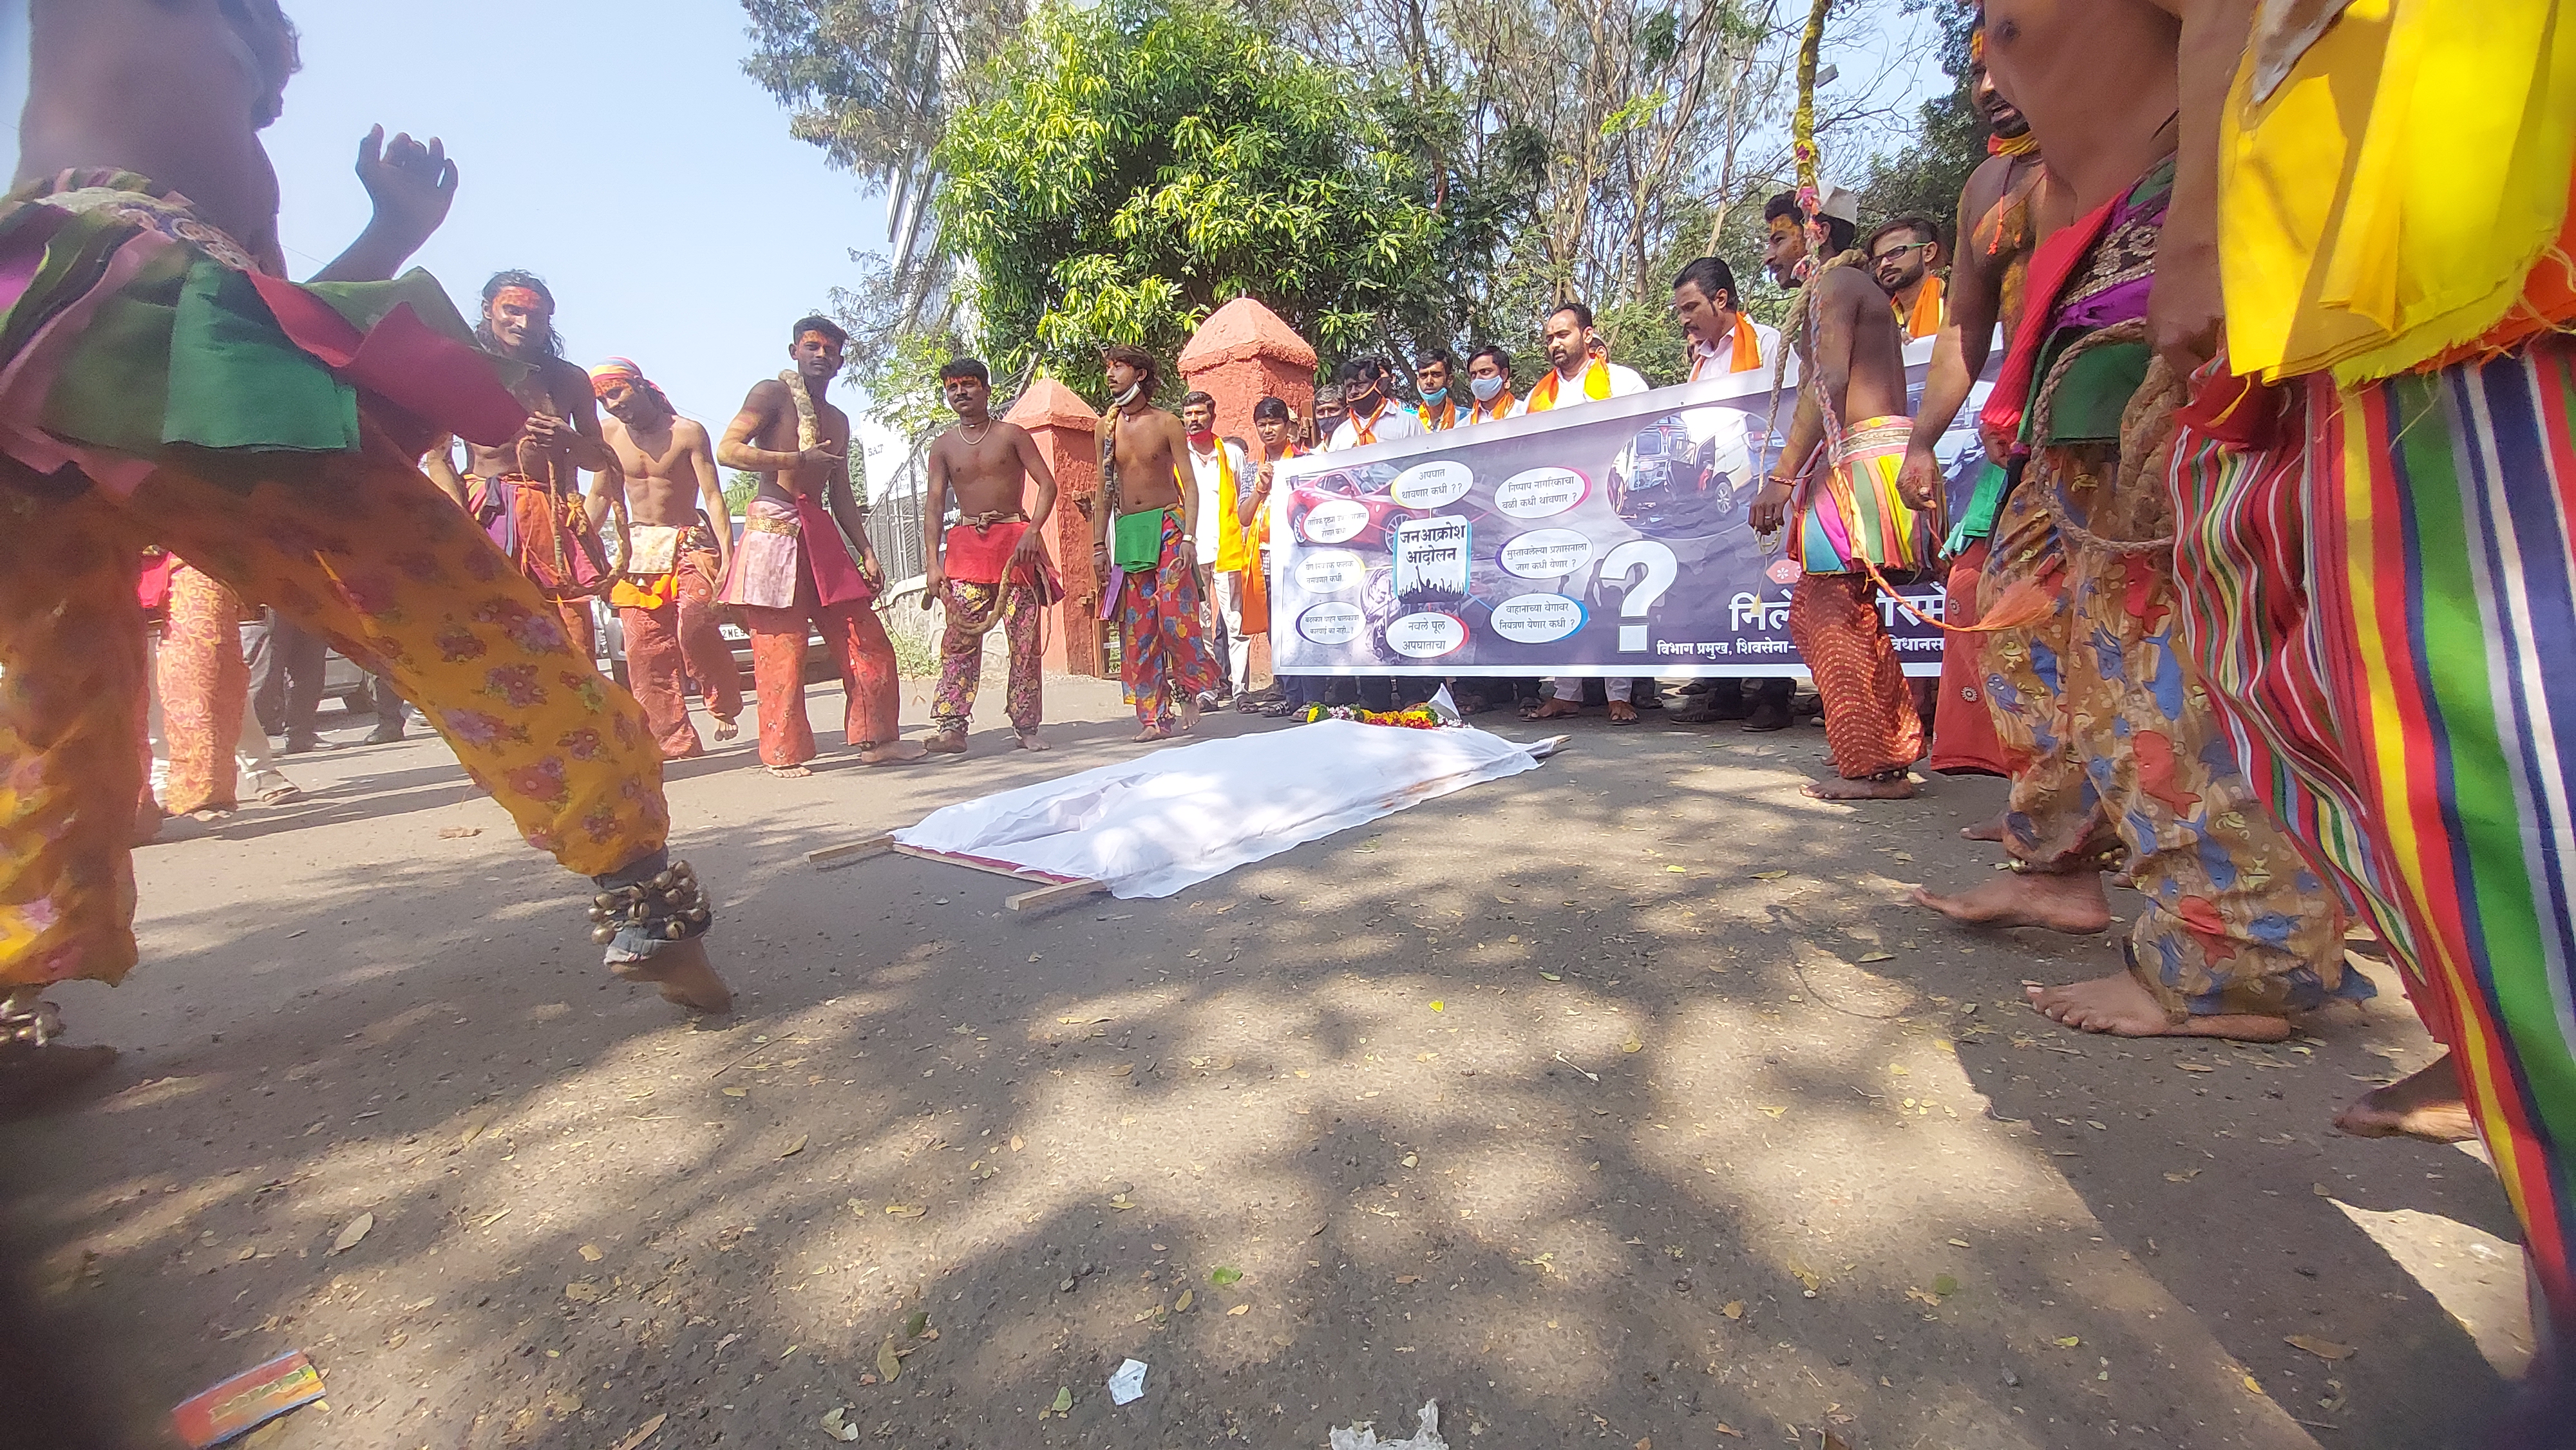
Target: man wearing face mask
(1489, 380)
(1434, 376)
(1372, 415)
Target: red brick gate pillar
(1063, 426)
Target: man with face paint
(1148, 533)
(1435, 377)
(141, 180)
(527, 492)
(1489, 384)
(1843, 447)
(805, 564)
(991, 565)
(665, 594)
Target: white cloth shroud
(1173, 818)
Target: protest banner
(1607, 538)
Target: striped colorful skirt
(1854, 512)
(2381, 596)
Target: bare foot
(896, 752)
(2427, 1103)
(2071, 902)
(726, 730)
(1622, 713)
(684, 974)
(1189, 717)
(2119, 1006)
(1150, 734)
(1989, 829)
(788, 772)
(1553, 710)
(1844, 788)
(1030, 741)
(946, 743)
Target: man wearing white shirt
(1221, 468)
(1723, 340)
(1580, 369)
(1374, 416)
(1579, 372)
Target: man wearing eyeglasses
(1903, 254)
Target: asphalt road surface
(1624, 1103)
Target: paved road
(1548, 1100)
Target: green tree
(1949, 139)
(738, 489)
(1138, 163)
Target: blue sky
(618, 151)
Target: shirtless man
(1149, 531)
(339, 531)
(796, 569)
(1851, 399)
(2236, 932)
(1996, 237)
(527, 493)
(666, 593)
(994, 564)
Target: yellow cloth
(2388, 201)
(1596, 385)
(1925, 319)
(652, 591)
(1233, 555)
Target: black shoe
(304, 744)
(1767, 715)
(384, 735)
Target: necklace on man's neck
(973, 438)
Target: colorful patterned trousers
(660, 642)
(1163, 658)
(358, 547)
(1870, 724)
(2377, 601)
(2235, 920)
(972, 611)
(872, 692)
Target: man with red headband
(265, 432)
(990, 566)
(665, 591)
(805, 562)
(527, 493)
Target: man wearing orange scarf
(1489, 385)
(1724, 340)
(1905, 255)
(665, 593)
(1579, 372)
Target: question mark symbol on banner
(1661, 569)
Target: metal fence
(894, 521)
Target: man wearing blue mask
(1434, 374)
(1489, 379)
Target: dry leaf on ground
(357, 1229)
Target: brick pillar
(1243, 353)
(1064, 428)
(1240, 355)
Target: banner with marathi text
(1602, 539)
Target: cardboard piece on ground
(247, 1401)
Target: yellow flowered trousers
(358, 547)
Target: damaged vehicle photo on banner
(1606, 539)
